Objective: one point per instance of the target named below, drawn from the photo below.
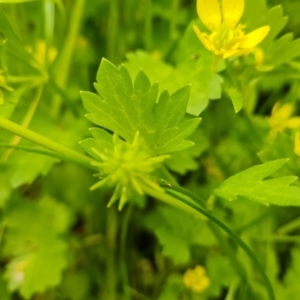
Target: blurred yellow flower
(196, 279)
(297, 144)
(227, 37)
(282, 118)
(40, 52)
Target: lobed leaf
(38, 256)
(185, 160)
(205, 83)
(125, 107)
(251, 184)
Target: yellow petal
(297, 144)
(282, 111)
(253, 38)
(210, 13)
(202, 37)
(232, 11)
(229, 53)
(292, 123)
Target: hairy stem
(196, 209)
(38, 139)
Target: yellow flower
(297, 144)
(227, 37)
(196, 279)
(282, 118)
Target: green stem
(227, 249)
(190, 194)
(29, 80)
(148, 25)
(111, 235)
(112, 29)
(174, 19)
(277, 238)
(231, 76)
(213, 228)
(166, 174)
(194, 209)
(123, 238)
(232, 289)
(46, 143)
(253, 222)
(49, 13)
(32, 150)
(290, 226)
(63, 62)
(2, 228)
(26, 121)
(222, 240)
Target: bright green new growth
(251, 184)
(144, 129)
(127, 167)
(126, 108)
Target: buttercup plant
(152, 204)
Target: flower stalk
(65, 152)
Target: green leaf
(156, 69)
(251, 184)
(217, 264)
(282, 50)
(5, 187)
(236, 98)
(125, 108)
(5, 295)
(254, 14)
(186, 160)
(290, 289)
(280, 147)
(206, 85)
(192, 69)
(76, 285)
(101, 140)
(178, 228)
(55, 213)
(23, 170)
(13, 42)
(35, 272)
(276, 21)
(24, 167)
(173, 287)
(11, 100)
(39, 255)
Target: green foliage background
(58, 240)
